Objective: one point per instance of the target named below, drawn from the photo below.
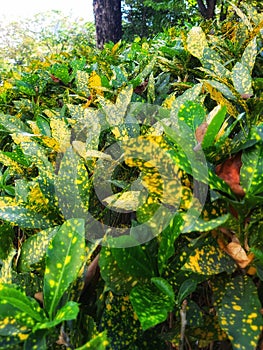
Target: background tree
(149, 17)
(107, 14)
(207, 9)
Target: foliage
(131, 193)
(148, 18)
(46, 33)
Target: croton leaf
(60, 132)
(18, 313)
(66, 313)
(115, 113)
(196, 42)
(13, 123)
(34, 248)
(13, 166)
(186, 288)
(60, 71)
(252, 170)
(98, 342)
(168, 237)
(191, 113)
(222, 88)
(152, 303)
(65, 255)
(242, 79)
(189, 95)
(36, 340)
(68, 185)
(46, 171)
(249, 55)
(120, 322)
(24, 217)
(208, 259)
(123, 268)
(239, 315)
(11, 295)
(139, 79)
(82, 79)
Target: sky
(14, 9)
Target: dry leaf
(229, 171)
(237, 252)
(200, 132)
(39, 297)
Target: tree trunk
(107, 15)
(208, 10)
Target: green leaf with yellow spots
(209, 259)
(65, 256)
(249, 55)
(115, 113)
(192, 114)
(251, 173)
(36, 340)
(24, 217)
(222, 88)
(195, 223)
(18, 313)
(239, 315)
(12, 342)
(190, 94)
(13, 166)
(61, 71)
(123, 268)
(71, 182)
(7, 235)
(168, 237)
(196, 42)
(10, 294)
(98, 342)
(120, 322)
(67, 312)
(144, 73)
(13, 124)
(152, 303)
(45, 169)
(34, 249)
(242, 79)
(186, 288)
(82, 80)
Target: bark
(207, 10)
(107, 15)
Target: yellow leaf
(61, 133)
(36, 199)
(95, 83)
(34, 127)
(80, 148)
(168, 102)
(128, 201)
(51, 143)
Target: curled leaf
(238, 253)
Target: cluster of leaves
(46, 33)
(160, 142)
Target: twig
(183, 324)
